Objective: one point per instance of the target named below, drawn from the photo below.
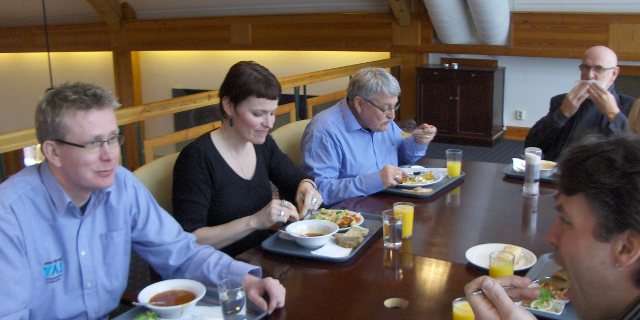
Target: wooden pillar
(408, 83)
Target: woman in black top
(221, 188)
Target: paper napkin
(332, 250)
(518, 165)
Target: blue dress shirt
(57, 263)
(345, 159)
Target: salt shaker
(532, 157)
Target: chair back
(288, 139)
(157, 176)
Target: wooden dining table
(420, 280)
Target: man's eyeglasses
(597, 68)
(384, 110)
(95, 145)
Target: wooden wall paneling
(62, 38)
(624, 38)
(240, 33)
(560, 30)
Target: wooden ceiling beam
(110, 12)
(401, 11)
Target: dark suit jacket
(554, 132)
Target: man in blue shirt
(68, 225)
(354, 148)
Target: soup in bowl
(172, 299)
(547, 168)
(312, 233)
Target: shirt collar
(59, 197)
(350, 121)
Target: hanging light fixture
(46, 40)
(33, 155)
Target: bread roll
(517, 253)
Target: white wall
(530, 83)
(25, 76)
(162, 71)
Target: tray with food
(422, 182)
(341, 246)
(344, 218)
(548, 173)
(553, 303)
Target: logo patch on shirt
(53, 270)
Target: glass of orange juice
(462, 309)
(406, 210)
(454, 162)
(501, 264)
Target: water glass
(233, 299)
(532, 158)
(392, 229)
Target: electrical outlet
(519, 115)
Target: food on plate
(352, 238)
(560, 279)
(149, 315)
(343, 218)
(553, 293)
(420, 178)
(421, 190)
(517, 253)
(171, 298)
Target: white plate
(341, 229)
(479, 256)
(202, 313)
(410, 171)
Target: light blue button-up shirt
(56, 263)
(345, 159)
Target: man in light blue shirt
(354, 148)
(68, 225)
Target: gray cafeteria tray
(210, 299)
(545, 267)
(276, 244)
(437, 187)
(509, 172)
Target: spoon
(148, 304)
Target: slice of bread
(517, 252)
(352, 238)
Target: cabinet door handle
(473, 75)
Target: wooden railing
(16, 140)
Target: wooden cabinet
(465, 104)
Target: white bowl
(299, 229)
(172, 312)
(546, 168)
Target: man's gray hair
(370, 82)
(66, 98)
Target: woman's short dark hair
(246, 79)
(607, 172)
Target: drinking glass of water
(233, 299)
